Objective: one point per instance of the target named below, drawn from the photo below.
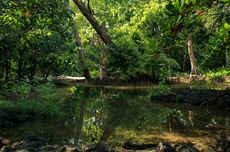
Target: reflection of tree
(191, 117)
(102, 111)
(175, 119)
(82, 114)
(127, 110)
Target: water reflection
(99, 115)
(105, 113)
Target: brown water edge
(145, 85)
(202, 140)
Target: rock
(223, 144)
(98, 148)
(67, 149)
(6, 141)
(34, 138)
(7, 149)
(23, 150)
(62, 149)
(165, 147)
(185, 148)
(130, 146)
(39, 144)
(49, 148)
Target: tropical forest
(114, 75)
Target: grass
(34, 108)
(41, 101)
(218, 74)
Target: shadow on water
(110, 116)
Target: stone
(165, 147)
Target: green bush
(218, 74)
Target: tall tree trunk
(33, 69)
(104, 61)
(20, 64)
(101, 31)
(191, 57)
(7, 69)
(7, 65)
(227, 58)
(1, 71)
(81, 51)
(107, 132)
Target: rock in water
(130, 146)
(185, 148)
(165, 147)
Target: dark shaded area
(132, 146)
(207, 97)
(8, 119)
(37, 144)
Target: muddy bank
(34, 144)
(39, 144)
(198, 97)
(198, 78)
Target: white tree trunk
(192, 58)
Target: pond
(116, 115)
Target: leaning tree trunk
(192, 57)
(81, 51)
(89, 16)
(101, 31)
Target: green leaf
(177, 4)
(197, 7)
(179, 19)
(188, 2)
(227, 26)
(194, 1)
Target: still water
(114, 116)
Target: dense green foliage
(149, 38)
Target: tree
(87, 12)
(79, 47)
(32, 37)
(191, 57)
